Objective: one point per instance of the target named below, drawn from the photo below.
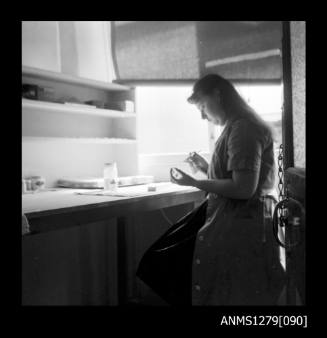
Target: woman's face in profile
(210, 108)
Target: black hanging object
(166, 267)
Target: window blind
(184, 50)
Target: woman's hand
(197, 162)
(178, 176)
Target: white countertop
(60, 198)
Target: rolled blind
(183, 50)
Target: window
(266, 101)
(168, 127)
(167, 123)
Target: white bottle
(110, 175)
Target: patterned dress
(236, 257)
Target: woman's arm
(242, 185)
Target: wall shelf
(66, 108)
(60, 139)
(45, 74)
(93, 140)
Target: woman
(236, 259)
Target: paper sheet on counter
(135, 191)
(110, 193)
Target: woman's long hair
(233, 103)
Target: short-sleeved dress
(236, 257)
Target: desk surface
(62, 208)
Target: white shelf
(45, 74)
(95, 140)
(66, 108)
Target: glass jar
(28, 183)
(110, 176)
(24, 188)
(37, 183)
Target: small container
(37, 183)
(110, 175)
(30, 91)
(24, 188)
(129, 106)
(28, 182)
(45, 94)
(126, 105)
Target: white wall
(68, 48)
(41, 45)
(93, 50)
(79, 48)
(56, 158)
(57, 124)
